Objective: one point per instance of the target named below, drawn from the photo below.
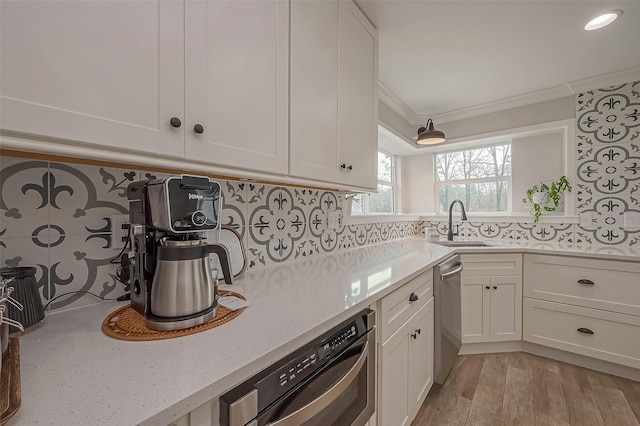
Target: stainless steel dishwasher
(448, 319)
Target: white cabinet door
(333, 110)
(406, 368)
(506, 308)
(101, 73)
(421, 357)
(357, 90)
(314, 149)
(236, 84)
(394, 374)
(475, 305)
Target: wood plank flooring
(518, 388)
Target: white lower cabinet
(586, 306)
(406, 368)
(491, 298)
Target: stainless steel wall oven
(329, 381)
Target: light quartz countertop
(73, 374)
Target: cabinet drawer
(477, 265)
(397, 308)
(616, 285)
(614, 338)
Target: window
(480, 177)
(384, 200)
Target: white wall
(417, 184)
(542, 112)
(534, 159)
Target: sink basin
(464, 244)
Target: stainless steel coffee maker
(170, 274)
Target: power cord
(80, 291)
(122, 273)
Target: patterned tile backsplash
(57, 216)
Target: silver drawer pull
(585, 330)
(586, 282)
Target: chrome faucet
(450, 233)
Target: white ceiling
(454, 59)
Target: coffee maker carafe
(170, 275)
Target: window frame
(364, 199)
(437, 184)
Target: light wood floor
(523, 389)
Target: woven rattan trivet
(126, 323)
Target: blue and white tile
(307, 248)
(256, 194)
(25, 252)
(83, 263)
(318, 221)
(360, 234)
(493, 230)
(612, 116)
(24, 196)
(550, 232)
(612, 170)
(234, 209)
(277, 225)
(84, 198)
(307, 199)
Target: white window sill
(362, 219)
(507, 217)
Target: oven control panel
(339, 342)
(302, 366)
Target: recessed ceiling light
(602, 20)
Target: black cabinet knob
(415, 336)
(343, 166)
(585, 330)
(198, 128)
(175, 122)
(413, 297)
(418, 331)
(487, 287)
(586, 282)
(350, 167)
(495, 287)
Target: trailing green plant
(352, 197)
(555, 189)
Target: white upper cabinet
(333, 106)
(99, 73)
(357, 89)
(267, 86)
(236, 85)
(315, 152)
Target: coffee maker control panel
(184, 204)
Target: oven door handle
(316, 406)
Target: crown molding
(606, 80)
(394, 102)
(504, 104)
(568, 89)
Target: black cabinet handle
(495, 287)
(198, 128)
(586, 282)
(350, 167)
(418, 331)
(415, 336)
(175, 122)
(585, 330)
(343, 166)
(413, 297)
(487, 287)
